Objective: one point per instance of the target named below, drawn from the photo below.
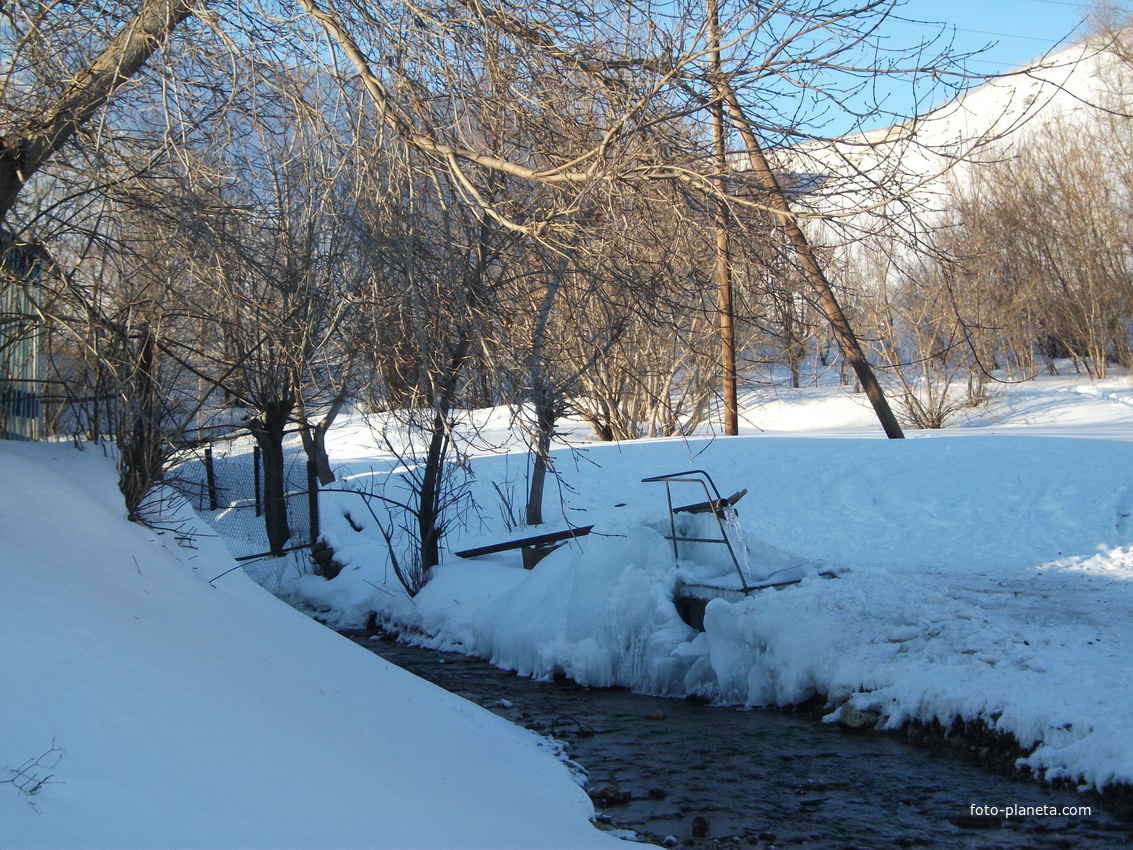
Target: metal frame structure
(715, 503)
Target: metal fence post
(210, 476)
(256, 478)
(313, 500)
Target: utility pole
(724, 307)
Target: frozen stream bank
(718, 777)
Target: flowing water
(695, 776)
(732, 530)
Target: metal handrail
(705, 480)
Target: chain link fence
(223, 480)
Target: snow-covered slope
(918, 159)
(171, 710)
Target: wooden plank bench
(535, 548)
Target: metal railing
(714, 503)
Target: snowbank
(173, 707)
(983, 573)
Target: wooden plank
(705, 507)
(537, 540)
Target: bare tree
(1041, 243)
(516, 129)
(422, 324)
(50, 114)
(623, 83)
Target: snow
(983, 573)
(177, 704)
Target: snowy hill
(983, 124)
(152, 696)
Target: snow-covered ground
(154, 696)
(984, 572)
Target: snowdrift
(984, 574)
(150, 701)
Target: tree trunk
(429, 504)
(267, 428)
(544, 431)
(315, 439)
(140, 438)
(843, 331)
(542, 397)
(429, 507)
(24, 152)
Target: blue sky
(1016, 31)
(1010, 34)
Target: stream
(684, 774)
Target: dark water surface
(698, 776)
